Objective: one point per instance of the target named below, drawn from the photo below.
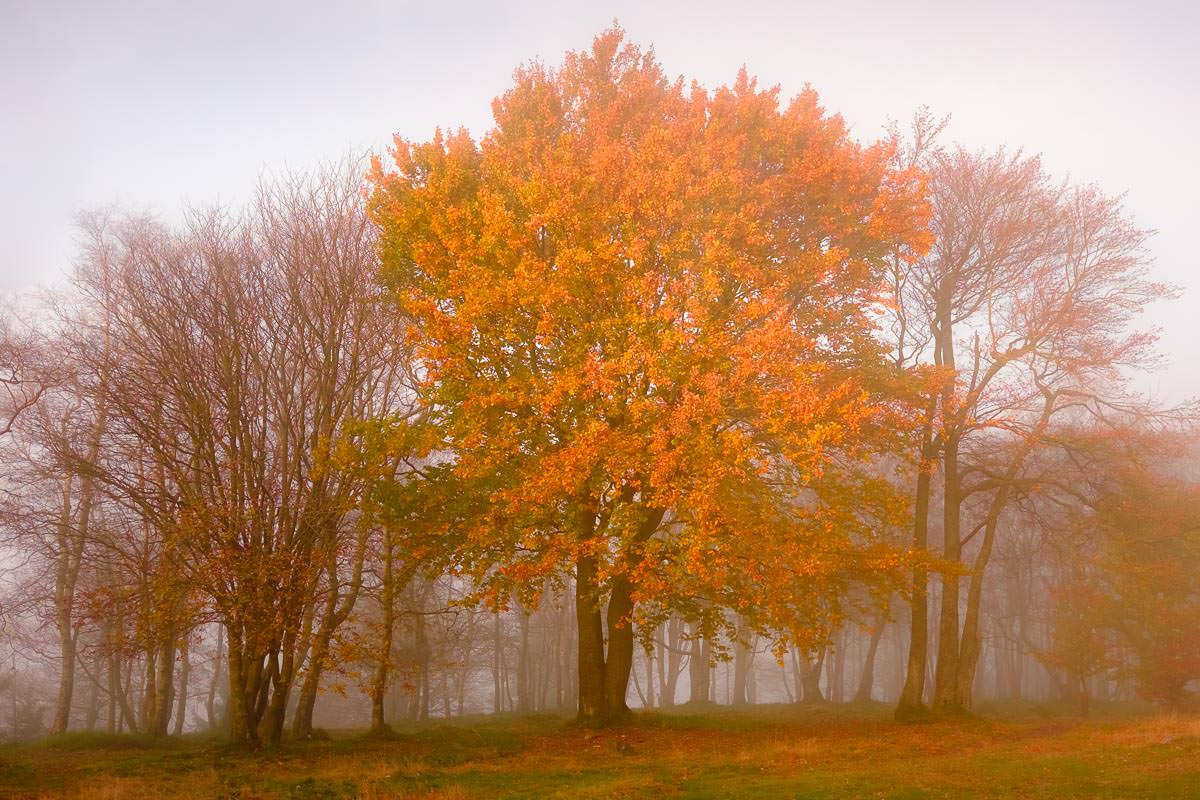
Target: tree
(243, 346)
(643, 316)
(1024, 305)
(1140, 575)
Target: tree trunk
(945, 692)
(210, 700)
(149, 711)
(69, 556)
(912, 696)
(334, 615)
(810, 677)
(698, 668)
(650, 694)
(66, 681)
(971, 645)
(524, 663)
(969, 649)
(384, 658)
(164, 689)
(245, 676)
(674, 657)
(837, 670)
(591, 641)
(743, 663)
(281, 688)
(604, 677)
(72, 536)
(497, 661)
(866, 683)
(94, 696)
(306, 700)
(619, 661)
(185, 672)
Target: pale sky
(155, 104)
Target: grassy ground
(764, 753)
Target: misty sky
(157, 104)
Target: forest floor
(765, 752)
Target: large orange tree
(643, 314)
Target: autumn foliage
(644, 316)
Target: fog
(374, 369)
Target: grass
(767, 752)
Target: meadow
(779, 751)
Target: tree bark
(164, 688)
(619, 661)
(604, 676)
(591, 641)
(245, 678)
(945, 692)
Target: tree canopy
(644, 315)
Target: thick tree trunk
(604, 677)
(591, 641)
(306, 700)
(619, 661)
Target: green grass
(785, 752)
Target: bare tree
(244, 346)
(1025, 296)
